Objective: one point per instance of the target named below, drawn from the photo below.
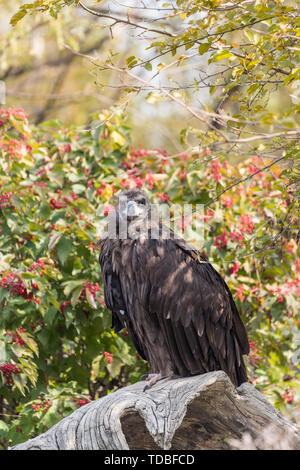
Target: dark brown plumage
(178, 310)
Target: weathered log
(200, 412)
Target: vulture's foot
(152, 379)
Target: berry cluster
(41, 405)
(16, 338)
(80, 401)
(18, 113)
(137, 178)
(13, 283)
(100, 191)
(235, 236)
(284, 289)
(38, 267)
(66, 148)
(64, 305)
(108, 356)
(62, 201)
(7, 370)
(221, 240)
(288, 396)
(253, 358)
(208, 215)
(215, 167)
(5, 200)
(164, 197)
(90, 183)
(240, 293)
(56, 204)
(13, 148)
(227, 201)
(235, 268)
(132, 159)
(106, 210)
(182, 175)
(93, 288)
(246, 224)
(255, 166)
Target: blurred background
(51, 82)
(48, 80)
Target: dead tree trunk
(200, 412)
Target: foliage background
(58, 177)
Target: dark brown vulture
(178, 310)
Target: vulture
(177, 309)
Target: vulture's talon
(152, 379)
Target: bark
(200, 412)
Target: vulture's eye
(142, 201)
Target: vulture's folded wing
(114, 298)
(193, 306)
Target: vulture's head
(133, 205)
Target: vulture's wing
(113, 296)
(193, 306)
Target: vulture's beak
(133, 209)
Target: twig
(121, 20)
(295, 132)
(242, 180)
(267, 248)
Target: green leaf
(12, 222)
(64, 248)
(54, 302)
(148, 66)
(20, 381)
(204, 47)
(52, 415)
(20, 351)
(75, 295)
(217, 56)
(114, 367)
(58, 215)
(3, 354)
(78, 188)
(71, 285)
(253, 88)
(29, 342)
(90, 298)
(50, 315)
(55, 237)
(18, 16)
(131, 61)
(4, 428)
